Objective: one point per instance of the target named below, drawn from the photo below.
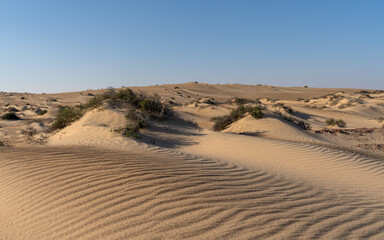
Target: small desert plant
(334, 122)
(240, 101)
(304, 125)
(222, 122)
(42, 112)
(128, 131)
(29, 132)
(10, 116)
(2, 144)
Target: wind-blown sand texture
(258, 179)
(85, 193)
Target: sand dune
(269, 178)
(84, 193)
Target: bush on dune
(223, 122)
(334, 122)
(140, 107)
(65, 116)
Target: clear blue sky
(55, 46)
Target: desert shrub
(152, 106)
(2, 144)
(137, 118)
(255, 112)
(141, 107)
(240, 101)
(304, 125)
(65, 116)
(10, 116)
(128, 131)
(223, 122)
(362, 92)
(42, 112)
(93, 102)
(377, 91)
(284, 107)
(334, 122)
(29, 131)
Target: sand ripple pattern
(88, 193)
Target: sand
(258, 179)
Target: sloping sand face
(88, 193)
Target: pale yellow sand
(85, 193)
(185, 182)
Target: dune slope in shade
(85, 193)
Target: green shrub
(137, 118)
(2, 144)
(65, 116)
(10, 116)
(334, 122)
(141, 107)
(255, 112)
(223, 122)
(128, 131)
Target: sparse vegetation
(290, 118)
(29, 133)
(240, 101)
(65, 116)
(284, 107)
(140, 107)
(10, 116)
(128, 131)
(223, 122)
(334, 122)
(42, 112)
(2, 144)
(304, 125)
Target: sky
(69, 45)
